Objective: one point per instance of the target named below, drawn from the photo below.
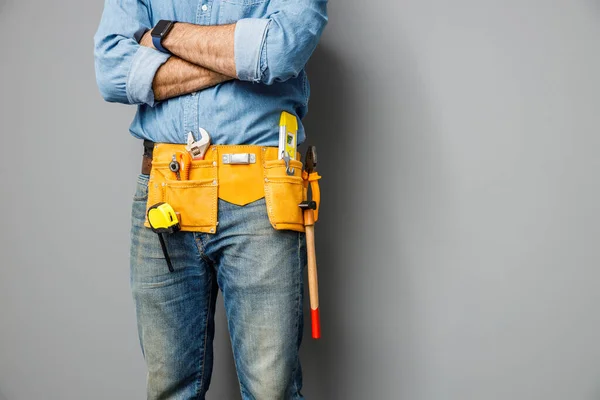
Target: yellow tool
(163, 219)
(288, 135)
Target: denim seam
(199, 12)
(246, 395)
(128, 78)
(261, 61)
(201, 250)
(150, 13)
(200, 389)
(244, 2)
(298, 308)
(306, 90)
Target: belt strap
(148, 148)
(147, 157)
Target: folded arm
(135, 73)
(207, 46)
(262, 50)
(177, 77)
(267, 50)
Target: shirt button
(204, 7)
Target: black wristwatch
(160, 31)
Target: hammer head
(308, 205)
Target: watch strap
(156, 41)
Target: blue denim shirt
(273, 41)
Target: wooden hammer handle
(313, 282)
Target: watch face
(161, 28)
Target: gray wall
(458, 245)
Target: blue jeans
(260, 273)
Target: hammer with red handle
(310, 210)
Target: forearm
(177, 77)
(211, 47)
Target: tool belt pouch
(195, 199)
(283, 195)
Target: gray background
(458, 245)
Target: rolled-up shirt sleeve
(124, 69)
(276, 48)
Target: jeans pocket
(141, 188)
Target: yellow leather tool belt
(239, 174)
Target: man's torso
(234, 112)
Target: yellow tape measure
(163, 219)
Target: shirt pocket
(234, 10)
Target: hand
(146, 40)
